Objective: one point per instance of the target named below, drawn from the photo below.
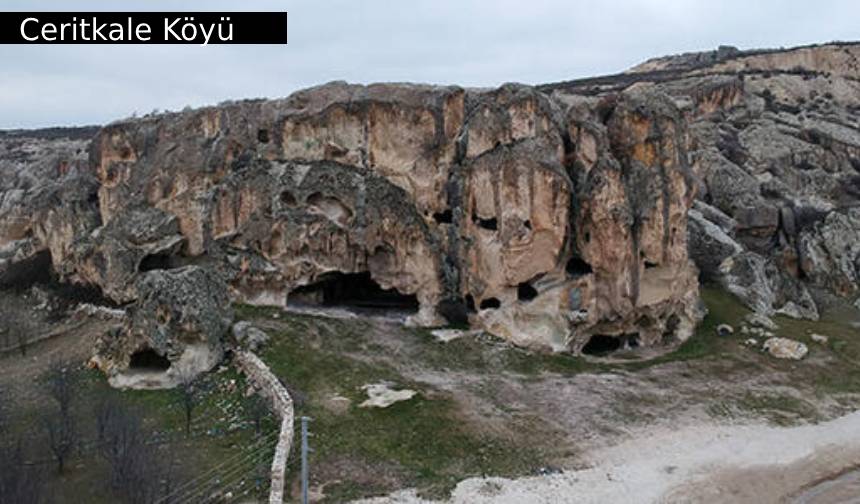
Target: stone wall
(271, 388)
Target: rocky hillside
(775, 147)
(560, 217)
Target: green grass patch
(419, 443)
(218, 447)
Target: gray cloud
(469, 43)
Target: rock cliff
(774, 139)
(555, 216)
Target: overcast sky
(470, 43)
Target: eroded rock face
(542, 220)
(174, 330)
(775, 148)
(542, 215)
(47, 198)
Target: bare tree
(63, 438)
(105, 409)
(62, 382)
(19, 483)
(189, 396)
(4, 414)
(18, 330)
(138, 472)
(257, 410)
(122, 439)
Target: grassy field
(483, 407)
(426, 442)
(222, 453)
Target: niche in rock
(330, 207)
(490, 304)
(577, 267)
(156, 262)
(526, 292)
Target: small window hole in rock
(526, 292)
(576, 267)
(446, 217)
(490, 303)
(491, 224)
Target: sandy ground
(708, 463)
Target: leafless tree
(257, 410)
(62, 382)
(19, 483)
(139, 474)
(63, 435)
(63, 438)
(4, 414)
(189, 396)
(17, 330)
(106, 408)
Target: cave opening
(526, 292)
(470, 303)
(577, 267)
(155, 262)
(490, 303)
(446, 217)
(38, 271)
(491, 224)
(148, 360)
(601, 344)
(455, 310)
(29, 272)
(263, 136)
(650, 265)
(352, 290)
(288, 199)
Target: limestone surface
(544, 215)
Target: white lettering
(24, 34)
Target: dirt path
(737, 464)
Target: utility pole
(305, 450)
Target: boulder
(174, 331)
(764, 288)
(383, 395)
(249, 337)
(725, 330)
(830, 252)
(709, 244)
(784, 348)
(760, 320)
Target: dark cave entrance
(156, 262)
(148, 360)
(29, 272)
(576, 267)
(38, 271)
(601, 345)
(352, 290)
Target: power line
(241, 458)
